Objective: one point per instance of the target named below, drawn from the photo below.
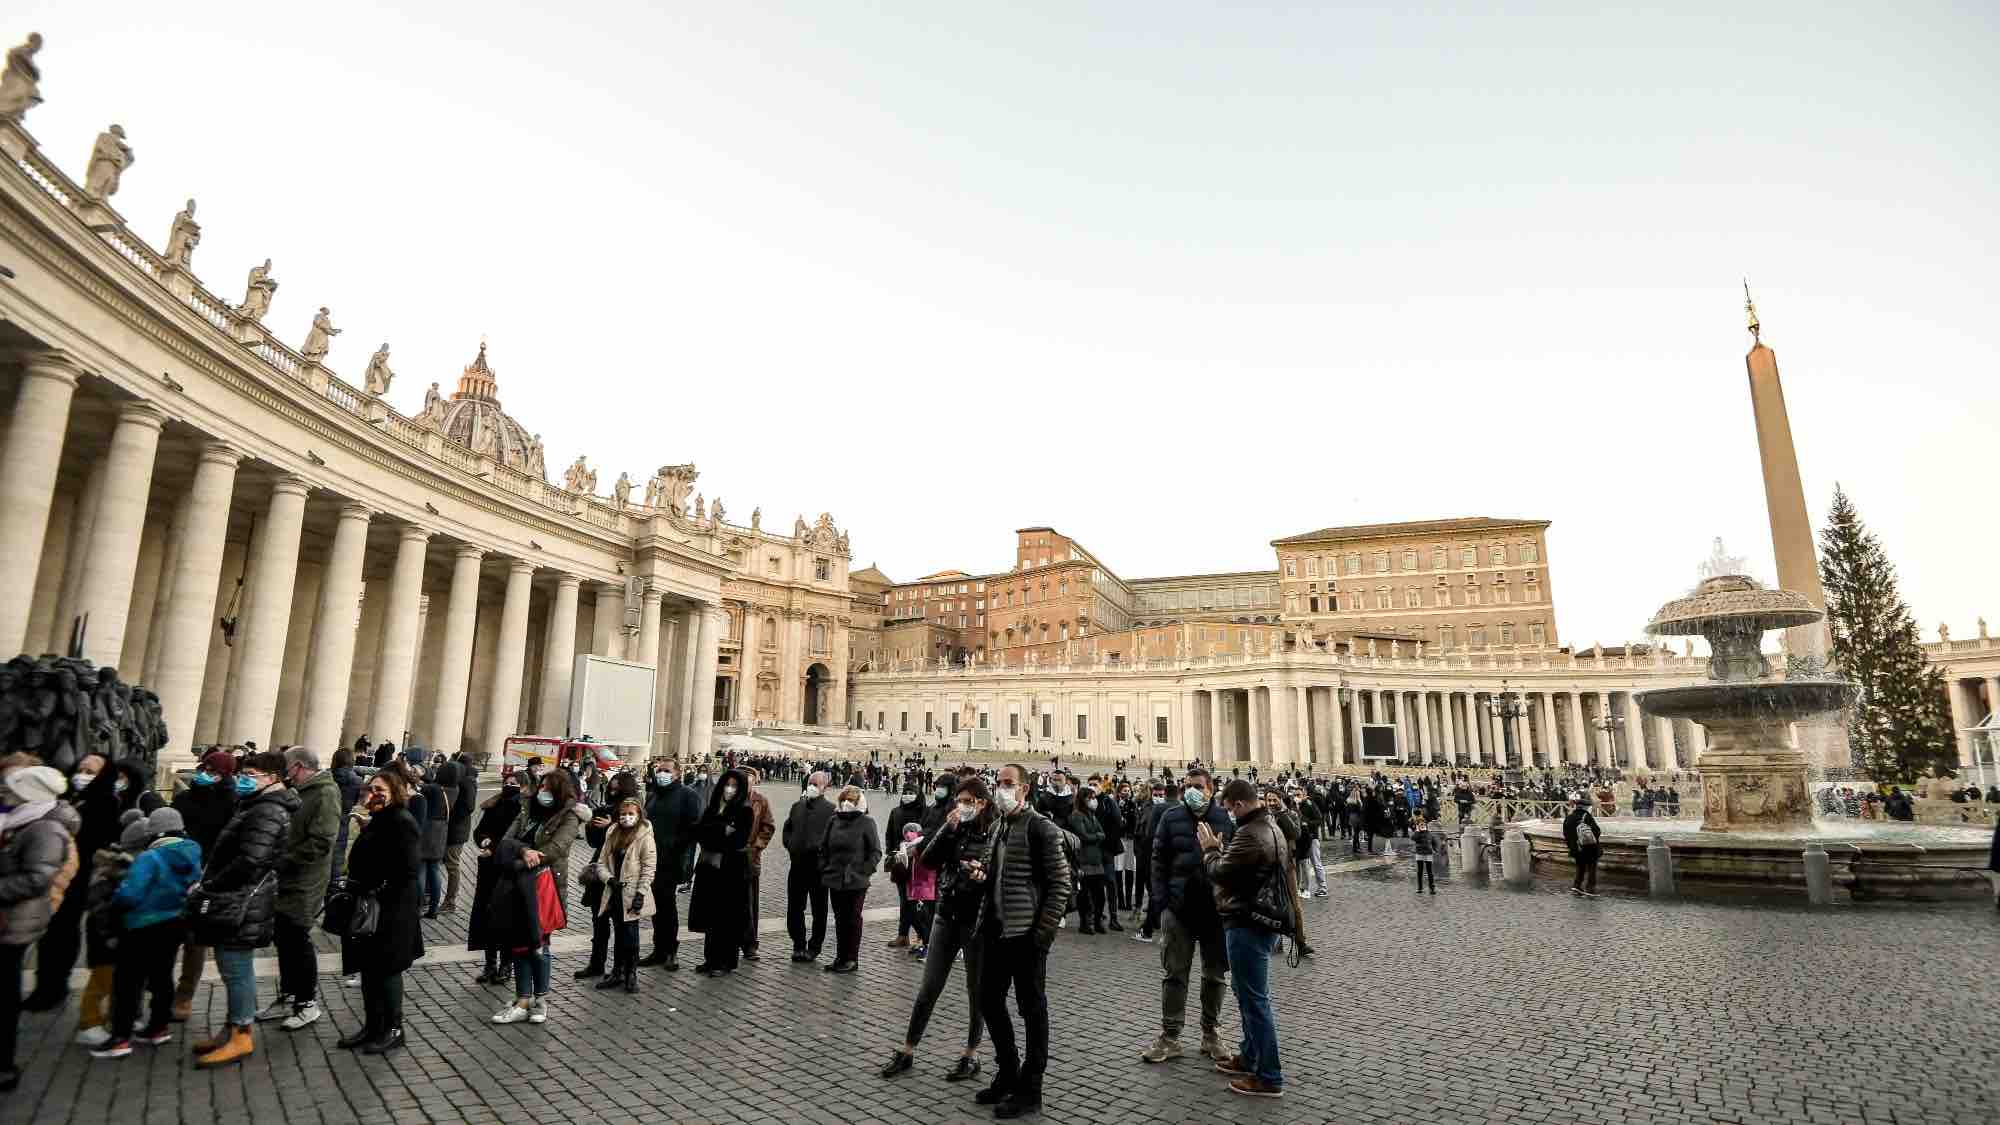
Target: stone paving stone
(1478, 1004)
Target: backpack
(1586, 836)
(1069, 848)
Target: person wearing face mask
(632, 861)
(674, 810)
(540, 837)
(1116, 857)
(302, 877)
(849, 854)
(37, 873)
(496, 815)
(1254, 855)
(722, 876)
(1082, 820)
(93, 795)
(205, 807)
(910, 811)
(1183, 913)
(805, 830)
(763, 826)
(1028, 887)
(602, 820)
(1145, 812)
(384, 861)
(244, 864)
(953, 850)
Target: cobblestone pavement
(1477, 1004)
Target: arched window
(770, 632)
(1498, 556)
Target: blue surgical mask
(1196, 799)
(203, 777)
(245, 785)
(545, 798)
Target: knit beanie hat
(165, 819)
(135, 836)
(221, 763)
(34, 783)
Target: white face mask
(850, 806)
(1008, 799)
(1091, 803)
(728, 791)
(628, 820)
(81, 780)
(664, 777)
(812, 791)
(968, 813)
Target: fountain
(1757, 807)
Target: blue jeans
(531, 974)
(1250, 951)
(239, 976)
(433, 884)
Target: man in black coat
(674, 810)
(911, 811)
(460, 784)
(805, 827)
(1183, 912)
(1111, 814)
(1583, 852)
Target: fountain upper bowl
(1776, 700)
(1732, 600)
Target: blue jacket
(1180, 881)
(158, 883)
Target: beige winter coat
(634, 876)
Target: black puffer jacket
(206, 809)
(945, 850)
(1180, 882)
(248, 849)
(849, 852)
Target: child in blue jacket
(150, 898)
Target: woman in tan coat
(631, 859)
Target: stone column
(558, 658)
(330, 668)
(105, 592)
(29, 458)
(1697, 742)
(1520, 725)
(1216, 708)
(190, 616)
(1551, 753)
(607, 618)
(61, 530)
(294, 669)
(461, 619)
(1957, 694)
(1579, 739)
(149, 665)
(145, 592)
(1635, 733)
(1607, 754)
(1496, 730)
(503, 702)
(270, 596)
(393, 680)
(743, 704)
(1669, 761)
(71, 583)
(1447, 727)
(684, 714)
(1302, 746)
(1424, 725)
(649, 630)
(701, 727)
(1354, 717)
(1186, 734)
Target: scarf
(21, 815)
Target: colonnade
(262, 606)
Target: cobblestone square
(1475, 1005)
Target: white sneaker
(512, 1013)
(303, 1015)
(1302, 894)
(538, 1012)
(279, 1009)
(351, 981)
(93, 1037)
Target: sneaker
(538, 1012)
(1321, 893)
(1575, 892)
(1232, 1065)
(919, 951)
(352, 980)
(1211, 1046)
(966, 1067)
(1143, 936)
(1163, 1048)
(304, 1015)
(93, 1037)
(155, 1035)
(1303, 894)
(279, 1009)
(111, 1049)
(1590, 894)
(898, 1063)
(1253, 1087)
(512, 1013)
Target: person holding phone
(956, 851)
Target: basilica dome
(472, 417)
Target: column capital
(520, 566)
(468, 551)
(564, 578)
(652, 598)
(221, 453)
(288, 485)
(353, 511)
(54, 364)
(411, 533)
(142, 412)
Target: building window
(823, 569)
(1048, 721)
(819, 637)
(929, 716)
(1312, 568)
(1437, 558)
(1413, 599)
(1354, 562)
(879, 723)
(1382, 599)
(982, 720)
(980, 621)
(1506, 634)
(1447, 637)
(1160, 729)
(1468, 557)
(1472, 595)
(961, 621)
(1497, 556)
(906, 722)
(1083, 728)
(1530, 553)
(770, 638)
(1475, 636)
(1117, 728)
(1291, 603)
(1380, 561)
(771, 565)
(1312, 605)
(1501, 596)
(1013, 724)
(1291, 568)
(1538, 633)
(1409, 558)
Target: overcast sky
(1176, 279)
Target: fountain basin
(1869, 859)
(1776, 701)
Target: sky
(1176, 279)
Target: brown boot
(214, 1042)
(241, 1043)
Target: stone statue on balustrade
(432, 414)
(653, 491)
(621, 491)
(757, 524)
(21, 82)
(537, 460)
(676, 482)
(700, 508)
(1982, 628)
(799, 528)
(257, 293)
(1944, 631)
(840, 543)
(320, 338)
(715, 511)
(377, 378)
(577, 477)
(109, 158)
(485, 438)
(183, 237)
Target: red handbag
(548, 902)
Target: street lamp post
(1506, 706)
(1612, 725)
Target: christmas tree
(1899, 726)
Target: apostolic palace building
(284, 556)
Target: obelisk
(1824, 741)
